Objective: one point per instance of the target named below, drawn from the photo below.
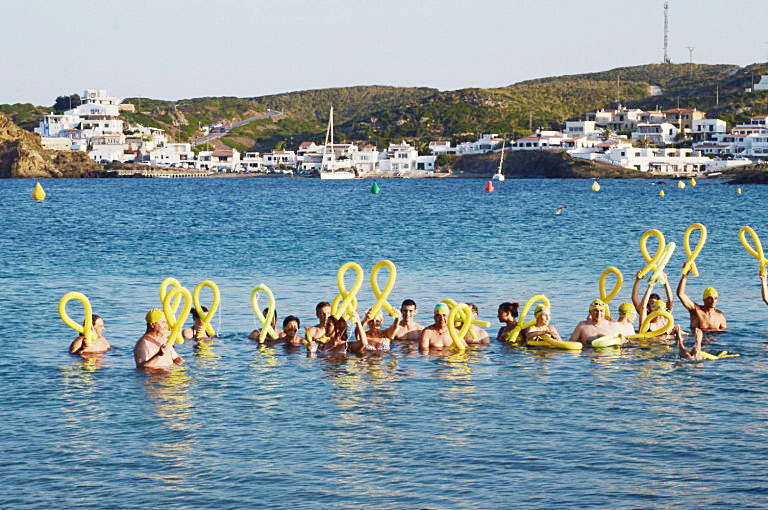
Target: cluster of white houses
(97, 128)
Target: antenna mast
(666, 33)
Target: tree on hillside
(66, 102)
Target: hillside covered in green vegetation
(379, 114)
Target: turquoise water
(241, 426)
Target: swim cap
(626, 309)
(154, 315)
(442, 308)
(710, 292)
(539, 310)
(597, 303)
(659, 304)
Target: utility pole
(666, 33)
(717, 94)
(690, 61)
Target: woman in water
(480, 333)
(97, 346)
(373, 340)
(542, 326)
(334, 340)
(508, 315)
(647, 309)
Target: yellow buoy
(39, 193)
(661, 193)
(693, 181)
(595, 186)
(681, 184)
(738, 191)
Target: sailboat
(498, 176)
(330, 169)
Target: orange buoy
(489, 187)
(39, 193)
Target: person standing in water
(152, 349)
(626, 323)
(596, 326)
(542, 326)
(404, 327)
(435, 337)
(507, 314)
(97, 346)
(705, 317)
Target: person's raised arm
(635, 290)
(670, 297)
(687, 302)
(764, 282)
(390, 331)
(643, 311)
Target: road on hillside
(230, 127)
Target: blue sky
(173, 49)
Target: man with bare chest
(436, 339)
(704, 317)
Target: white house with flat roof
(580, 128)
(655, 134)
(173, 154)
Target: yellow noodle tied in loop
(349, 313)
(460, 313)
(346, 302)
(644, 331)
(381, 296)
(170, 282)
(181, 294)
(477, 322)
(690, 264)
(644, 249)
(757, 251)
(607, 297)
(266, 321)
(521, 324)
(85, 329)
(666, 254)
(205, 317)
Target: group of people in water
(331, 334)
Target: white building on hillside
(540, 140)
(279, 158)
(440, 147)
(366, 160)
(579, 128)
(173, 154)
(485, 143)
(675, 161)
(655, 134)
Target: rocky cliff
(546, 164)
(21, 155)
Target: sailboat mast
(330, 124)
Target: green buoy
(375, 188)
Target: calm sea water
(243, 426)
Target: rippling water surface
(243, 426)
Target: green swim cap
(710, 292)
(659, 304)
(539, 310)
(442, 308)
(154, 315)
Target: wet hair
(320, 305)
(473, 307)
(653, 297)
(510, 307)
(195, 315)
(291, 318)
(93, 319)
(339, 327)
(408, 302)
